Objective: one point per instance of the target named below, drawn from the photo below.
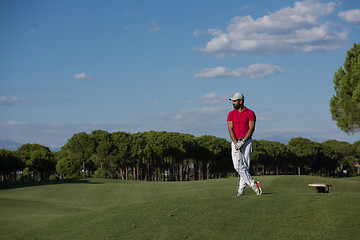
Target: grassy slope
(112, 209)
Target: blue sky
(134, 66)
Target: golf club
(238, 178)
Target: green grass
(113, 209)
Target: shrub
(100, 173)
(52, 177)
(73, 176)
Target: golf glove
(239, 144)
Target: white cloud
(263, 119)
(291, 29)
(6, 101)
(154, 27)
(212, 31)
(12, 101)
(209, 98)
(213, 72)
(82, 76)
(351, 16)
(257, 70)
(243, 8)
(215, 31)
(198, 33)
(178, 116)
(14, 123)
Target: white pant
(242, 164)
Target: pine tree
(345, 104)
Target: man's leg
(247, 159)
(241, 167)
(235, 157)
(246, 151)
(241, 161)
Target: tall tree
(121, 153)
(345, 104)
(278, 153)
(103, 147)
(66, 167)
(181, 150)
(42, 161)
(38, 159)
(356, 150)
(342, 154)
(306, 151)
(81, 147)
(259, 156)
(138, 155)
(211, 152)
(9, 164)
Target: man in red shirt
(241, 126)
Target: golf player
(241, 126)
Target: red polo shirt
(241, 121)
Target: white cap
(237, 96)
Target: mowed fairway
(114, 209)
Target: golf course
(115, 209)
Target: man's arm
(232, 132)
(251, 130)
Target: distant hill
(9, 144)
(284, 140)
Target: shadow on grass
(11, 185)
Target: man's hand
(239, 144)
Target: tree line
(171, 156)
